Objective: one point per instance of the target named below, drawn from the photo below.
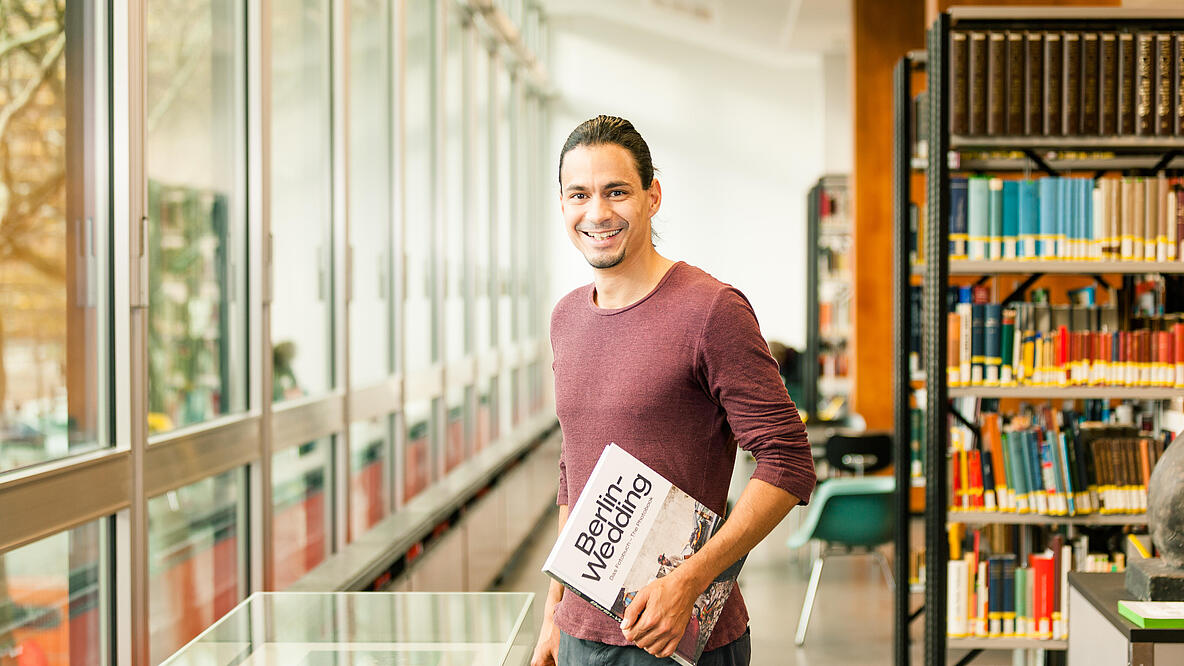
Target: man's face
(606, 211)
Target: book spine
(964, 353)
(1108, 84)
(1071, 88)
(1090, 115)
(995, 218)
(1006, 348)
(992, 316)
(1178, 78)
(959, 73)
(1127, 67)
(978, 78)
(1029, 219)
(957, 611)
(953, 350)
(978, 218)
(1011, 219)
(1034, 83)
(1053, 65)
(959, 211)
(1015, 83)
(996, 83)
(1164, 125)
(995, 597)
(977, 350)
(1145, 84)
(1047, 245)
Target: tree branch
(26, 94)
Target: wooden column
(882, 33)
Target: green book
(1154, 614)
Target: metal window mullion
(339, 59)
(260, 549)
(397, 245)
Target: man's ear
(655, 192)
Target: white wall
(839, 123)
(737, 143)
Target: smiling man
(669, 363)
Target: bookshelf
(1020, 151)
(826, 380)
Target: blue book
(1062, 213)
(1072, 219)
(1011, 218)
(995, 219)
(1029, 219)
(1009, 608)
(958, 227)
(978, 218)
(1066, 474)
(992, 351)
(1047, 234)
(1037, 479)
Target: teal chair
(851, 516)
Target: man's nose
(600, 210)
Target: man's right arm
(546, 651)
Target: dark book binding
(959, 72)
(1163, 84)
(1145, 84)
(1034, 83)
(1126, 83)
(977, 80)
(1053, 65)
(1015, 83)
(1090, 119)
(1071, 86)
(1108, 84)
(996, 83)
(1178, 78)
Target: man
(670, 364)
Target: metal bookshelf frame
(811, 390)
(1164, 151)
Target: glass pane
(52, 335)
(455, 449)
(456, 187)
(506, 200)
(301, 212)
(302, 496)
(535, 378)
(196, 157)
(516, 395)
(484, 180)
(196, 538)
(369, 497)
(370, 187)
(505, 404)
(417, 455)
(484, 430)
(54, 599)
(419, 128)
(524, 265)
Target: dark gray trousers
(579, 652)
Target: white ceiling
(774, 30)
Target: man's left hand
(659, 614)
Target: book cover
(1164, 125)
(1053, 72)
(996, 83)
(1153, 614)
(1034, 83)
(959, 73)
(631, 526)
(977, 95)
(1089, 84)
(1108, 84)
(1015, 83)
(1071, 84)
(1145, 84)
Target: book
(1108, 84)
(1127, 67)
(1089, 83)
(977, 78)
(1153, 614)
(1164, 125)
(1015, 83)
(1053, 73)
(959, 73)
(631, 526)
(1071, 85)
(996, 83)
(1145, 84)
(1034, 83)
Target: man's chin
(602, 261)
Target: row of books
(1075, 218)
(1013, 595)
(1038, 344)
(1066, 83)
(1049, 462)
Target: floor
(852, 619)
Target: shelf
(1060, 163)
(991, 517)
(1133, 144)
(964, 267)
(1005, 644)
(1067, 392)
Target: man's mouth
(601, 235)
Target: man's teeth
(603, 235)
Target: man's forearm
(555, 591)
(760, 508)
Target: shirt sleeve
(742, 378)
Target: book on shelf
(631, 526)
(1067, 218)
(996, 589)
(1066, 82)
(1036, 343)
(1049, 462)
(1153, 614)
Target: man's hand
(546, 651)
(658, 616)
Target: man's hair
(603, 130)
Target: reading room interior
(571, 332)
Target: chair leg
(808, 604)
(884, 568)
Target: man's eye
(616, 193)
(579, 195)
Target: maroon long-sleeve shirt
(679, 379)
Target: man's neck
(630, 281)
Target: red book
(976, 479)
(1043, 581)
(1178, 334)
